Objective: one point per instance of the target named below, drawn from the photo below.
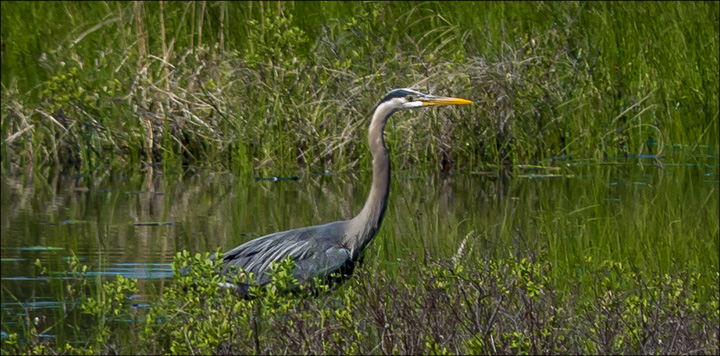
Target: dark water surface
(659, 213)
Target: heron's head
(402, 99)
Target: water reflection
(132, 224)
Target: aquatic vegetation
(469, 304)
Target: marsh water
(659, 212)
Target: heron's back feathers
(317, 251)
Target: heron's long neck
(366, 224)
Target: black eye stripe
(398, 93)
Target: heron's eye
(410, 98)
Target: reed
(282, 89)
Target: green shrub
(472, 305)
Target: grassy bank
(464, 305)
(277, 86)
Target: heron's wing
(334, 259)
(303, 244)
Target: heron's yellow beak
(438, 101)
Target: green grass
(294, 87)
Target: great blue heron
(322, 250)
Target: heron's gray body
(321, 250)
(314, 249)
